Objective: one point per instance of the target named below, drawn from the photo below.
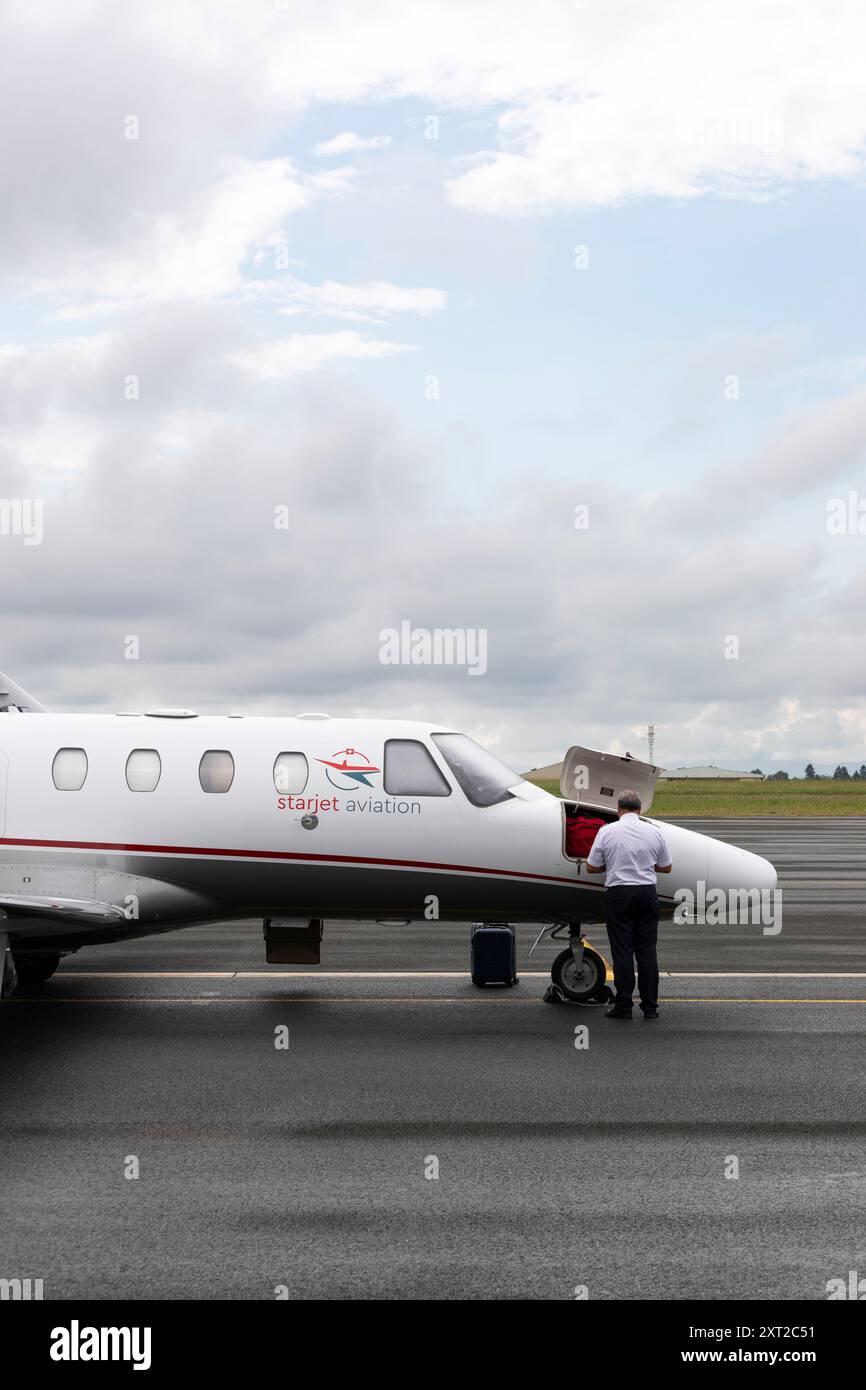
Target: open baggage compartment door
(590, 785)
(594, 780)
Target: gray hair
(628, 801)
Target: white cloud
(588, 107)
(350, 143)
(595, 104)
(303, 352)
(374, 302)
(332, 183)
(197, 252)
(160, 477)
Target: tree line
(841, 774)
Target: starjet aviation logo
(348, 769)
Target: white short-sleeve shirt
(629, 850)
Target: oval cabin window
(291, 771)
(69, 769)
(143, 770)
(216, 771)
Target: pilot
(632, 852)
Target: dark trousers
(632, 929)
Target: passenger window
(143, 770)
(291, 771)
(411, 771)
(69, 769)
(216, 771)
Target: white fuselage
(341, 847)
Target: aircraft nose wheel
(580, 982)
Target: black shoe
(617, 1013)
(650, 1013)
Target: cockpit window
(484, 779)
(411, 771)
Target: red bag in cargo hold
(580, 833)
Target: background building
(668, 774)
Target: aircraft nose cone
(730, 867)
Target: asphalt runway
(308, 1168)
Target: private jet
(123, 825)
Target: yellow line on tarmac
(434, 974)
(260, 999)
(764, 974)
(501, 999)
(276, 975)
(720, 999)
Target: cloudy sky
(546, 322)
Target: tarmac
(182, 1121)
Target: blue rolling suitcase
(494, 955)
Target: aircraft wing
(12, 696)
(84, 910)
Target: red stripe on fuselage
(288, 855)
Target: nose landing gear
(24, 969)
(33, 968)
(8, 973)
(578, 973)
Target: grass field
(799, 797)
